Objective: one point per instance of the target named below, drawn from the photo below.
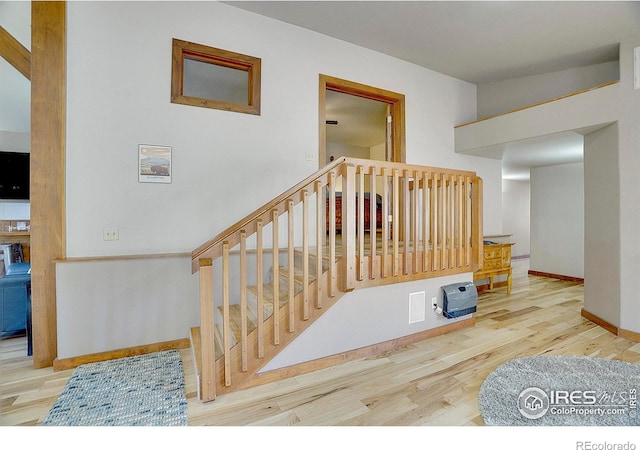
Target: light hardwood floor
(434, 382)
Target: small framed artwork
(154, 164)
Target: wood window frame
(224, 58)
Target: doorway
(358, 120)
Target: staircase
(236, 318)
(267, 278)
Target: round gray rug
(561, 391)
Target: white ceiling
(475, 41)
(478, 42)
(518, 158)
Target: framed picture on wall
(154, 164)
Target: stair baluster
(441, 221)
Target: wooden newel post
(208, 366)
(349, 226)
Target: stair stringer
(240, 378)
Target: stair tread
(235, 321)
(267, 294)
(235, 317)
(297, 275)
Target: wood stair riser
(299, 258)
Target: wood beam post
(48, 124)
(15, 53)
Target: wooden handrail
(265, 210)
(422, 222)
(208, 249)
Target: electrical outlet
(434, 301)
(110, 234)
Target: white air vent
(417, 307)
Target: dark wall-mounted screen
(14, 176)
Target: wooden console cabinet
(496, 261)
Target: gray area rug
(139, 390)
(561, 391)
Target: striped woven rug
(135, 391)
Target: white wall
(337, 150)
(18, 210)
(107, 305)
(15, 88)
(596, 108)
(118, 97)
(557, 219)
(378, 152)
(225, 164)
(14, 141)
(619, 104)
(366, 317)
(516, 215)
(602, 224)
(629, 168)
(15, 98)
(503, 96)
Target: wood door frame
(395, 100)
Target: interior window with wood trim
(209, 77)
